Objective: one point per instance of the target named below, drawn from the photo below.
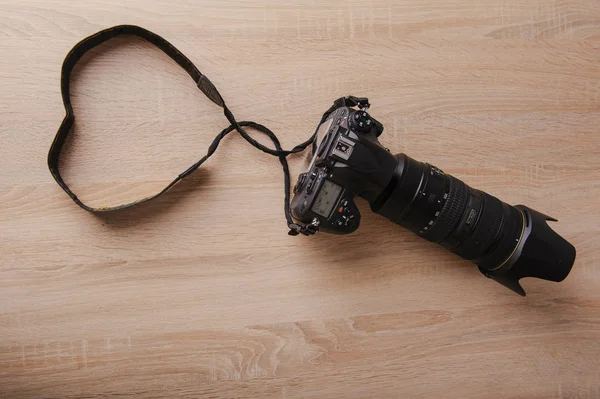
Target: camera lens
(506, 242)
(444, 210)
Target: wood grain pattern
(195, 296)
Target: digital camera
(506, 242)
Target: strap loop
(203, 83)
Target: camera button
(301, 179)
(311, 183)
(303, 206)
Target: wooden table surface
(202, 293)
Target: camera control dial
(360, 121)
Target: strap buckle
(307, 230)
(360, 102)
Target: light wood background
(202, 293)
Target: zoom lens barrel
(506, 242)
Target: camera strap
(207, 87)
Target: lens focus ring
(451, 212)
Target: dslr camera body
(506, 242)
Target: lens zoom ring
(485, 232)
(451, 212)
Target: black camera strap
(206, 86)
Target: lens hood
(541, 253)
